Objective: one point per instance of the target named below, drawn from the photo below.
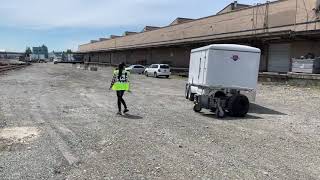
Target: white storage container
(225, 66)
(311, 66)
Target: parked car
(138, 69)
(42, 61)
(157, 70)
(55, 61)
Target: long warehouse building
(282, 29)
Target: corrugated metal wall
(283, 12)
(279, 57)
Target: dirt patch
(15, 137)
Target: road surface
(60, 122)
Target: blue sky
(63, 24)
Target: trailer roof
(229, 47)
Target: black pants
(121, 100)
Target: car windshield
(164, 66)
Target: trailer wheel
(197, 107)
(187, 91)
(238, 105)
(220, 114)
(191, 95)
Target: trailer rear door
(202, 67)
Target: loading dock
(279, 58)
(274, 27)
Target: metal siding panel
(219, 26)
(279, 58)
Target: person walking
(120, 84)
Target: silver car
(136, 69)
(157, 70)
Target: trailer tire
(191, 95)
(238, 105)
(220, 114)
(187, 91)
(197, 107)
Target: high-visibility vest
(122, 83)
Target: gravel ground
(60, 122)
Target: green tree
(69, 51)
(28, 52)
(63, 56)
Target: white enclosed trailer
(219, 73)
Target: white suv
(157, 70)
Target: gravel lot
(60, 122)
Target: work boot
(119, 113)
(126, 110)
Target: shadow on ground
(257, 109)
(130, 116)
(248, 116)
(254, 109)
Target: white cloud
(39, 14)
(63, 24)
(80, 13)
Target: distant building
(10, 55)
(65, 56)
(55, 55)
(282, 29)
(40, 52)
(51, 55)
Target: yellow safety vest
(122, 83)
